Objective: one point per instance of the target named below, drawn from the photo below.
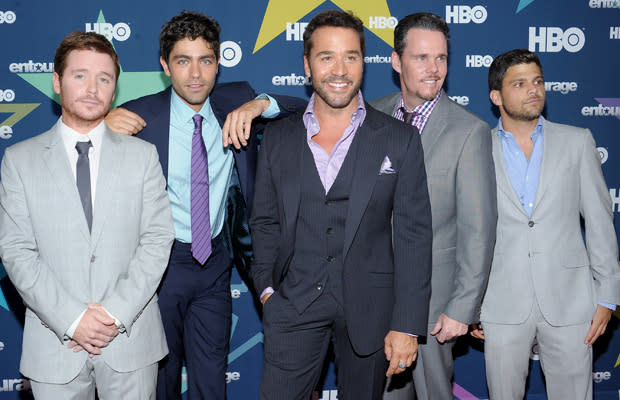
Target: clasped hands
(95, 331)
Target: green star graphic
(131, 85)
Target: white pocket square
(386, 167)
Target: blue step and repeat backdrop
(578, 42)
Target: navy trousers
(196, 309)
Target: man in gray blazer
(461, 185)
(85, 235)
(545, 282)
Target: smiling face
(335, 64)
(86, 88)
(192, 68)
(522, 97)
(422, 66)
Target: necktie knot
(408, 116)
(83, 147)
(197, 123)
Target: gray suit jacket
(58, 266)
(461, 185)
(544, 256)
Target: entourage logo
(291, 80)
(462, 100)
(600, 111)
(562, 87)
(382, 22)
(553, 39)
(604, 4)
(599, 377)
(7, 95)
(14, 385)
(232, 376)
(477, 61)
(17, 112)
(465, 14)
(378, 59)
(230, 54)
(7, 17)
(31, 67)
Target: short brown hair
(84, 41)
(333, 18)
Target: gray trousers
(564, 358)
(110, 385)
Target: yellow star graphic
(279, 12)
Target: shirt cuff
(410, 334)
(268, 290)
(612, 307)
(71, 331)
(273, 110)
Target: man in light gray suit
(461, 184)
(545, 283)
(85, 235)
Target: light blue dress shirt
(524, 175)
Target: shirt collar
(423, 109)
(70, 136)
(537, 132)
(312, 124)
(185, 113)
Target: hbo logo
(382, 22)
(120, 31)
(7, 17)
(476, 60)
(7, 95)
(553, 39)
(465, 14)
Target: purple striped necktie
(201, 225)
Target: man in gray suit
(461, 185)
(545, 282)
(85, 235)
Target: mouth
(195, 86)
(431, 81)
(534, 100)
(90, 101)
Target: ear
(496, 97)
(396, 62)
(307, 68)
(56, 82)
(164, 65)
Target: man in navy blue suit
(211, 231)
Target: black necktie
(82, 175)
(408, 116)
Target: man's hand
(599, 324)
(236, 129)
(447, 328)
(476, 331)
(399, 348)
(124, 121)
(265, 297)
(95, 330)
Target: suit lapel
(503, 181)
(435, 126)
(370, 155)
(111, 154)
(55, 157)
(550, 161)
(290, 175)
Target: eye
(207, 61)
(104, 80)
(518, 84)
(420, 58)
(442, 58)
(326, 58)
(351, 58)
(78, 76)
(183, 62)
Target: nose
(432, 65)
(195, 70)
(340, 67)
(92, 85)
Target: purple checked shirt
(423, 111)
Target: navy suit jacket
(225, 97)
(387, 266)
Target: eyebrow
(176, 57)
(81, 70)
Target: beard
(525, 114)
(336, 100)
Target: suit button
(530, 224)
(329, 231)
(326, 202)
(319, 286)
(330, 258)
(92, 259)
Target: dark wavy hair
(190, 25)
(500, 65)
(335, 18)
